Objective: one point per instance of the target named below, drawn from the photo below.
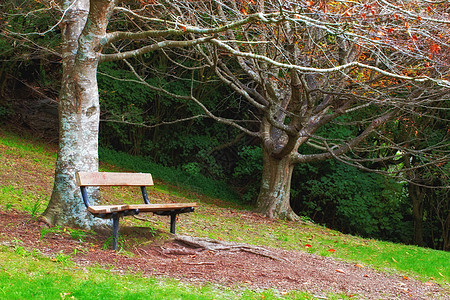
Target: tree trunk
(79, 112)
(274, 195)
(417, 195)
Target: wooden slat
(113, 179)
(104, 209)
(160, 207)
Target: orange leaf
(243, 11)
(331, 250)
(340, 271)
(183, 28)
(435, 48)
(359, 266)
(309, 3)
(405, 278)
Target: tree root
(215, 245)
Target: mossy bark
(274, 196)
(79, 112)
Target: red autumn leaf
(308, 246)
(331, 250)
(243, 11)
(435, 48)
(419, 18)
(183, 28)
(415, 38)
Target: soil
(271, 268)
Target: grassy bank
(26, 168)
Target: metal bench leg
(173, 219)
(115, 232)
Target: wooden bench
(115, 212)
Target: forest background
(172, 132)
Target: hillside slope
(295, 256)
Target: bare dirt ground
(237, 268)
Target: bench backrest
(113, 179)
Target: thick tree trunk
(79, 112)
(274, 195)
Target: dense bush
(133, 118)
(193, 182)
(353, 201)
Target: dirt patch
(281, 270)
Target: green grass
(24, 190)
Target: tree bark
(417, 195)
(79, 112)
(274, 196)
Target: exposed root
(44, 222)
(215, 245)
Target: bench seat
(106, 209)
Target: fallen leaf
(308, 246)
(359, 266)
(365, 275)
(340, 271)
(394, 260)
(428, 283)
(405, 278)
(331, 250)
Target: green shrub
(192, 182)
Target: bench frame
(115, 212)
